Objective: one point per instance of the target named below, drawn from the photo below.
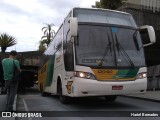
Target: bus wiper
(120, 48)
(108, 47)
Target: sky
(24, 19)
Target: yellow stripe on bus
(42, 75)
(109, 74)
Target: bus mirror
(147, 35)
(73, 26)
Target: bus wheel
(63, 99)
(110, 99)
(42, 92)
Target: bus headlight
(85, 75)
(141, 75)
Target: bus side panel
(50, 74)
(42, 75)
(57, 70)
(45, 75)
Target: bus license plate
(117, 87)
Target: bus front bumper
(86, 87)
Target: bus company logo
(117, 77)
(105, 71)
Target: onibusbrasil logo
(25, 114)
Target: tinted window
(55, 45)
(94, 46)
(104, 16)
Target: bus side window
(58, 39)
(68, 47)
(68, 57)
(66, 37)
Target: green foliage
(42, 46)
(109, 4)
(47, 37)
(6, 40)
(48, 34)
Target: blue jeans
(11, 93)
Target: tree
(6, 40)
(97, 5)
(109, 4)
(42, 46)
(48, 35)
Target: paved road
(2, 107)
(32, 101)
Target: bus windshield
(112, 44)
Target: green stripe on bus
(130, 73)
(50, 71)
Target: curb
(142, 98)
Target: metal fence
(26, 58)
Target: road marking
(25, 105)
(26, 108)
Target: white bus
(95, 52)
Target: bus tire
(63, 99)
(0, 90)
(110, 99)
(42, 91)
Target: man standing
(8, 70)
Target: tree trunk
(3, 49)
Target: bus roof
(105, 16)
(101, 9)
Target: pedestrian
(9, 76)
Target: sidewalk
(149, 95)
